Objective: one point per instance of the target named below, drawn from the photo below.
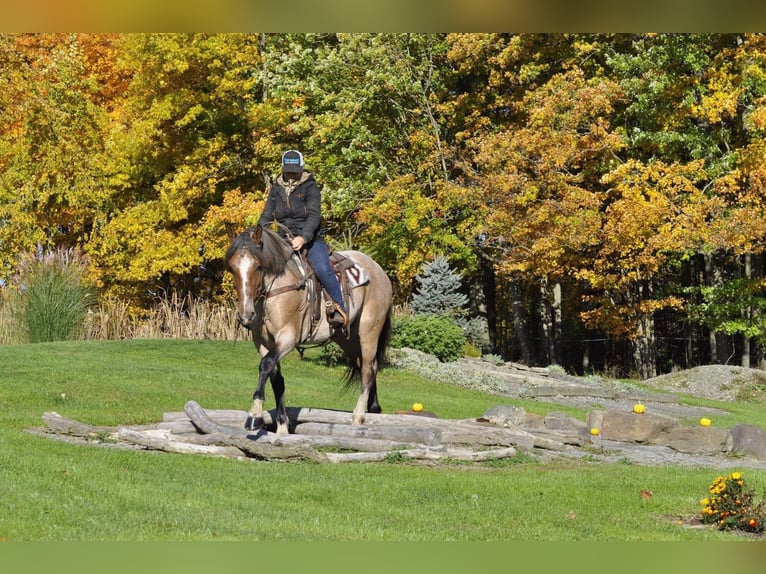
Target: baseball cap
(292, 161)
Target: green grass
(59, 491)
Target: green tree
(439, 290)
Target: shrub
(54, 295)
(731, 505)
(476, 331)
(437, 335)
(471, 350)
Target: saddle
(350, 276)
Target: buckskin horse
(279, 302)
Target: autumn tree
(53, 130)
(179, 139)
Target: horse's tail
(354, 371)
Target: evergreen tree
(439, 290)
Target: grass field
(54, 491)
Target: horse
(275, 302)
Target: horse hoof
(254, 423)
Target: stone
(627, 426)
(559, 421)
(694, 440)
(748, 440)
(505, 415)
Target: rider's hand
(298, 243)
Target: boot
(336, 316)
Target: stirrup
(335, 315)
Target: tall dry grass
(172, 317)
(12, 330)
(49, 299)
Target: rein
(267, 294)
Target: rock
(748, 440)
(533, 421)
(505, 415)
(627, 426)
(695, 440)
(559, 421)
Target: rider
(294, 201)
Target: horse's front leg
(269, 364)
(278, 386)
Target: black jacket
(297, 207)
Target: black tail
(354, 372)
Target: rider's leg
(319, 257)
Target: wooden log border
(318, 435)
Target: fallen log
(404, 434)
(163, 440)
(242, 440)
(57, 423)
(423, 454)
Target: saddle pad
(355, 273)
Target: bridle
(264, 292)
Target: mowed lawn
(55, 491)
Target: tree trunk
(719, 342)
(747, 314)
(519, 321)
(550, 320)
(490, 299)
(644, 345)
(557, 324)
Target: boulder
(626, 426)
(748, 440)
(558, 421)
(505, 415)
(694, 440)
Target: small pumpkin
(705, 422)
(638, 408)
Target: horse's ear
(257, 234)
(231, 231)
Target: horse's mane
(273, 255)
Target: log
(59, 424)
(242, 440)
(165, 441)
(336, 442)
(423, 454)
(205, 424)
(404, 434)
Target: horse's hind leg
(372, 397)
(278, 386)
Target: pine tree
(439, 290)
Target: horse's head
(245, 264)
(253, 255)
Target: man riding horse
(294, 201)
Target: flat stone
(505, 415)
(748, 440)
(627, 426)
(695, 440)
(558, 421)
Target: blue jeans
(320, 261)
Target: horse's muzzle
(245, 320)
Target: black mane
(273, 255)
